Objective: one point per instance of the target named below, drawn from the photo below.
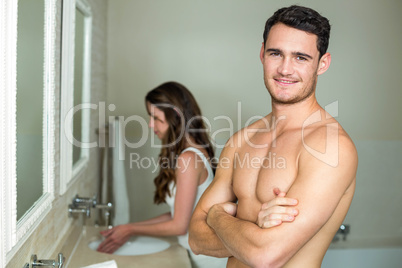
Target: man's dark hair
(305, 19)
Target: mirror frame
(69, 172)
(14, 234)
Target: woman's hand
(114, 238)
(278, 210)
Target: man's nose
(286, 67)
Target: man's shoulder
(329, 142)
(327, 127)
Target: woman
(185, 170)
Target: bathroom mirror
(75, 91)
(29, 109)
(27, 118)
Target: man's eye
(299, 58)
(275, 54)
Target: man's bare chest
(257, 170)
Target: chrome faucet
(80, 206)
(107, 208)
(45, 263)
(83, 206)
(84, 201)
(90, 202)
(73, 209)
(343, 230)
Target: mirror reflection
(75, 92)
(30, 96)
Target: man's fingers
(269, 224)
(278, 210)
(230, 208)
(274, 220)
(280, 201)
(282, 217)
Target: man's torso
(267, 160)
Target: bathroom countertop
(78, 254)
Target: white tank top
(183, 239)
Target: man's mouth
(285, 81)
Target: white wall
(213, 47)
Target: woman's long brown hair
(182, 114)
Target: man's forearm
(203, 240)
(239, 237)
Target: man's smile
(285, 81)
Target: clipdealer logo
(329, 156)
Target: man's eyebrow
(302, 54)
(273, 50)
(296, 53)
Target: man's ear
(262, 52)
(324, 63)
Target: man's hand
(227, 207)
(278, 210)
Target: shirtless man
(316, 162)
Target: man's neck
(293, 116)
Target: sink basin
(138, 245)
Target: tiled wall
(48, 238)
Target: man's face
(291, 64)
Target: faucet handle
(107, 206)
(106, 209)
(49, 263)
(344, 230)
(61, 260)
(79, 201)
(80, 209)
(95, 200)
